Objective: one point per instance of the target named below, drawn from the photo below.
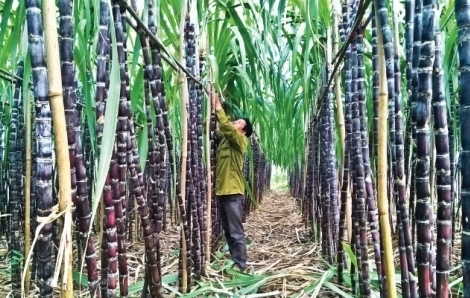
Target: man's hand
(216, 101)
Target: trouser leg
(225, 226)
(232, 212)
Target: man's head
(244, 126)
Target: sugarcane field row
(356, 178)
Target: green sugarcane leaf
(350, 253)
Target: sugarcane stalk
(27, 191)
(443, 175)
(60, 138)
(184, 149)
(382, 198)
(339, 99)
(209, 177)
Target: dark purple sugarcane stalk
(443, 175)
(347, 144)
(332, 174)
(190, 206)
(418, 21)
(110, 191)
(451, 113)
(150, 164)
(309, 186)
(122, 135)
(192, 170)
(157, 89)
(195, 263)
(161, 108)
(72, 113)
(462, 13)
(409, 32)
(324, 199)
(137, 189)
(360, 175)
(408, 285)
(202, 168)
(315, 215)
(423, 110)
(43, 140)
(34, 203)
(108, 254)
(402, 154)
(370, 203)
(68, 88)
(215, 218)
(185, 232)
(14, 178)
(155, 160)
(152, 167)
(375, 87)
(355, 237)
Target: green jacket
(230, 157)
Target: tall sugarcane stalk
(27, 191)
(359, 144)
(181, 188)
(418, 25)
(355, 231)
(42, 134)
(382, 197)
(348, 130)
(193, 170)
(60, 140)
(423, 110)
(370, 203)
(202, 183)
(14, 173)
(375, 87)
(443, 178)
(72, 113)
(215, 215)
(209, 173)
(462, 13)
(118, 176)
(137, 190)
(156, 153)
(409, 31)
(109, 242)
(338, 33)
(332, 178)
(408, 281)
(158, 96)
(68, 89)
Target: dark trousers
(231, 213)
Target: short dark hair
(248, 129)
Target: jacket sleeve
(218, 133)
(235, 138)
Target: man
(229, 187)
